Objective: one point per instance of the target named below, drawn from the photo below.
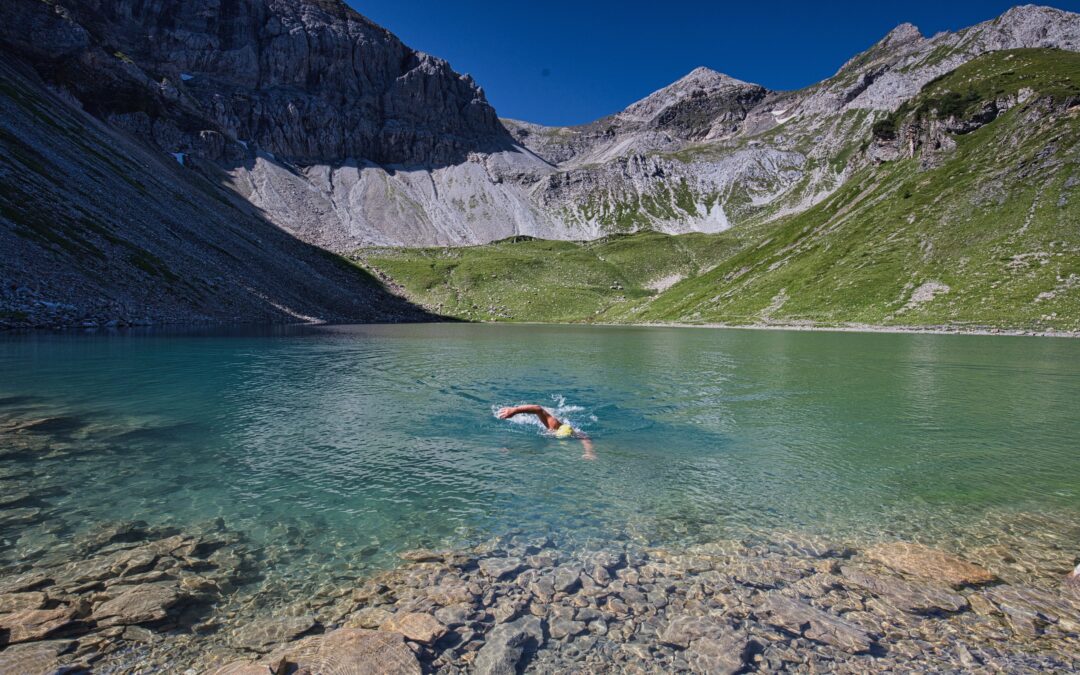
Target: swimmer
(559, 428)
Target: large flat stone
(345, 651)
(417, 626)
(683, 629)
(263, 634)
(15, 602)
(501, 568)
(34, 624)
(918, 598)
(929, 563)
(147, 603)
(40, 658)
(812, 623)
(723, 656)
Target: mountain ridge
(338, 134)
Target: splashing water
(575, 415)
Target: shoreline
(862, 328)
(213, 327)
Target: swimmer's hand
(505, 413)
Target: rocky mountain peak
(905, 32)
(705, 76)
(1028, 26)
(696, 86)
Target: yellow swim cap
(565, 431)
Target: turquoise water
(350, 443)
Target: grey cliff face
(308, 81)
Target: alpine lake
(755, 500)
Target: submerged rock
(35, 624)
(923, 598)
(416, 626)
(147, 603)
(346, 650)
(264, 634)
(501, 568)
(800, 618)
(41, 658)
(929, 563)
(507, 644)
(723, 656)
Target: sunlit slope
(985, 234)
(965, 213)
(538, 280)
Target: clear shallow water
(351, 443)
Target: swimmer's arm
(588, 451)
(549, 420)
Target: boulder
(147, 603)
(263, 634)
(800, 618)
(345, 650)
(501, 568)
(918, 598)
(34, 624)
(417, 626)
(507, 644)
(929, 563)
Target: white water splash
(574, 415)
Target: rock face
(312, 81)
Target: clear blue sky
(561, 62)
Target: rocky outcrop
(309, 81)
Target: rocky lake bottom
(124, 597)
(261, 505)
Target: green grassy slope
(997, 224)
(537, 280)
(989, 236)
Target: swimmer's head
(565, 431)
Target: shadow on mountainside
(97, 228)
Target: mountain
(962, 215)
(114, 207)
(239, 143)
